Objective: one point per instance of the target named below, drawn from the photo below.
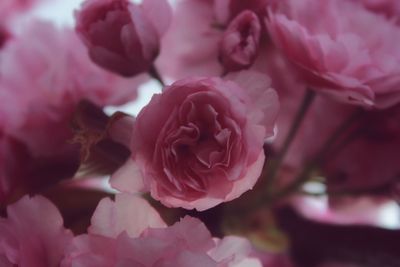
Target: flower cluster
(274, 140)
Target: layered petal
(33, 234)
(343, 54)
(199, 143)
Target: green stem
(156, 75)
(267, 199)
(302, 111)
(320, 156)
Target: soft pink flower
(39, 93)
(33, 235)
(240, 42)
(121, 36)
(208, 38)
(341, 47)
(200, 142)
(129, 231)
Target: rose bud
(200, 142)
(123, 37)
(240, 42)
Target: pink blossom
(39, 93)
(32, 235)
(129, 231)
(341, 47)
(240, 42)
(209, 37)
(121, 36)
(199, 143)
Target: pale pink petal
(263, 97)
(253, 173)
(232, 251)
(90, 251)
(35, 235)
(128, 213)
(128, 178)
(159, 12)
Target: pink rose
(129, 231)
(123, 37)
(341, 47)
(33, 234)
(200, 142)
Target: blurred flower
(33, 234)
(123, 37)
(240, 42)
(39, 93)
(209, 38)
(341, 47)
